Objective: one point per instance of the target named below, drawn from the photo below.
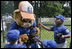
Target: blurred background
(44, 11)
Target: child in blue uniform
(33, 39)
(49, 43)
(12, 36)
(59, 28)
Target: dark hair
(62, 21)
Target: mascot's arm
(14, 26)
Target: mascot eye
(29, 21)
(26, 20)
(23, 20)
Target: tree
(67, 9)
(7, 7)
(51, 8)
(67, 12)
(16, 3)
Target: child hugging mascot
(24, 21)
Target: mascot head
(24, 15)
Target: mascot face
(27, 22)
(23, 22)
(24, 15)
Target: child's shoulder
(18, 45)
(12, 46)
(64, 27)
(6, 45)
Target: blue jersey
(24, 30)
(34, 45)
(23, 45)
(12, 46)
(49, 43)
(60, 29)
(21, 29)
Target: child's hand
(62, 37)
(20, 41)
(40, 24)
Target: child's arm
(20, 41)
(65, 36)
(47, 28)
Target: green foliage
(16, 3)
(7, 7)
(51, 8)
(67, 11)
(47, 8)
(2, 43)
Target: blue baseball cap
(12, 35)
(49, 43)
(60, 17)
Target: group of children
(13, 35)
(14, 40)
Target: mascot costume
(24, 21)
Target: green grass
(50, 35)
(2, 43)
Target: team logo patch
(29, 9)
